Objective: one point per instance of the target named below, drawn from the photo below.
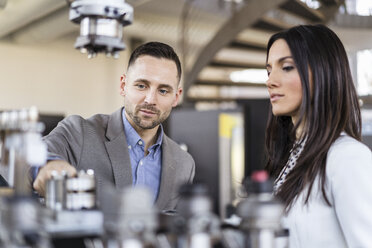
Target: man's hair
(329, 106)
(158, 50)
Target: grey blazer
(99, 143)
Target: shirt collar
(133, 137)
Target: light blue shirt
(146, 170)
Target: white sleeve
(349, 168)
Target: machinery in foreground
(71, 216)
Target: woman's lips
(275, 97)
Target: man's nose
(151, 97)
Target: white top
(348, 223)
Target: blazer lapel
(117, 149)
(168, 173)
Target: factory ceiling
(215, 38)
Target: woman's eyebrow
(279, 60)
(284, 58)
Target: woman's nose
(272, 80)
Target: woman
(323, 172)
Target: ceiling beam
(248, 14)
(301, 9)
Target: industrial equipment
(101, 25)
(260, 213)
(70, 214)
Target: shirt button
(140, 142)
(129, 147)
(141, 163)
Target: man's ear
(177, 98)
(122, 85)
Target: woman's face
(284, 83)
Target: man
(129, 146)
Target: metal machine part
(55, 191)
(197, 225)
(71, 208)
(260, 213)
(81, 191)
(130, 219)
(101, 25)
(21, 146)
(67, 224)
(21, 221)
(71, 193)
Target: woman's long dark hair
(331, 108)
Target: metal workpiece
(64, 192)
(81, 191)
(260, 212)
(21, 223)
(71, 211)
(101, 25)
(197, 225)
(71, 224)
(21, 146)
(84, 181)
(55, 191)
(130, 218)
(20, 120)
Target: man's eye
(141, 86)
(268, 73)
(163, 92)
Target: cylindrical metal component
(194, 200)
(105, 27)
(55, 191)
(260, 212)
(200, 225)
(200, 240)
(101, 24)
(132, 243)
(81, 191)
(22, 218)
(21, 146)
(129, 216)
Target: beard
(146, 122)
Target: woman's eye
(288, 68)
(268, 73)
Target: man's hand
(45, 173)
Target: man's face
(150, 90)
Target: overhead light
(364, 73)
(258, 76)
(314, 4)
